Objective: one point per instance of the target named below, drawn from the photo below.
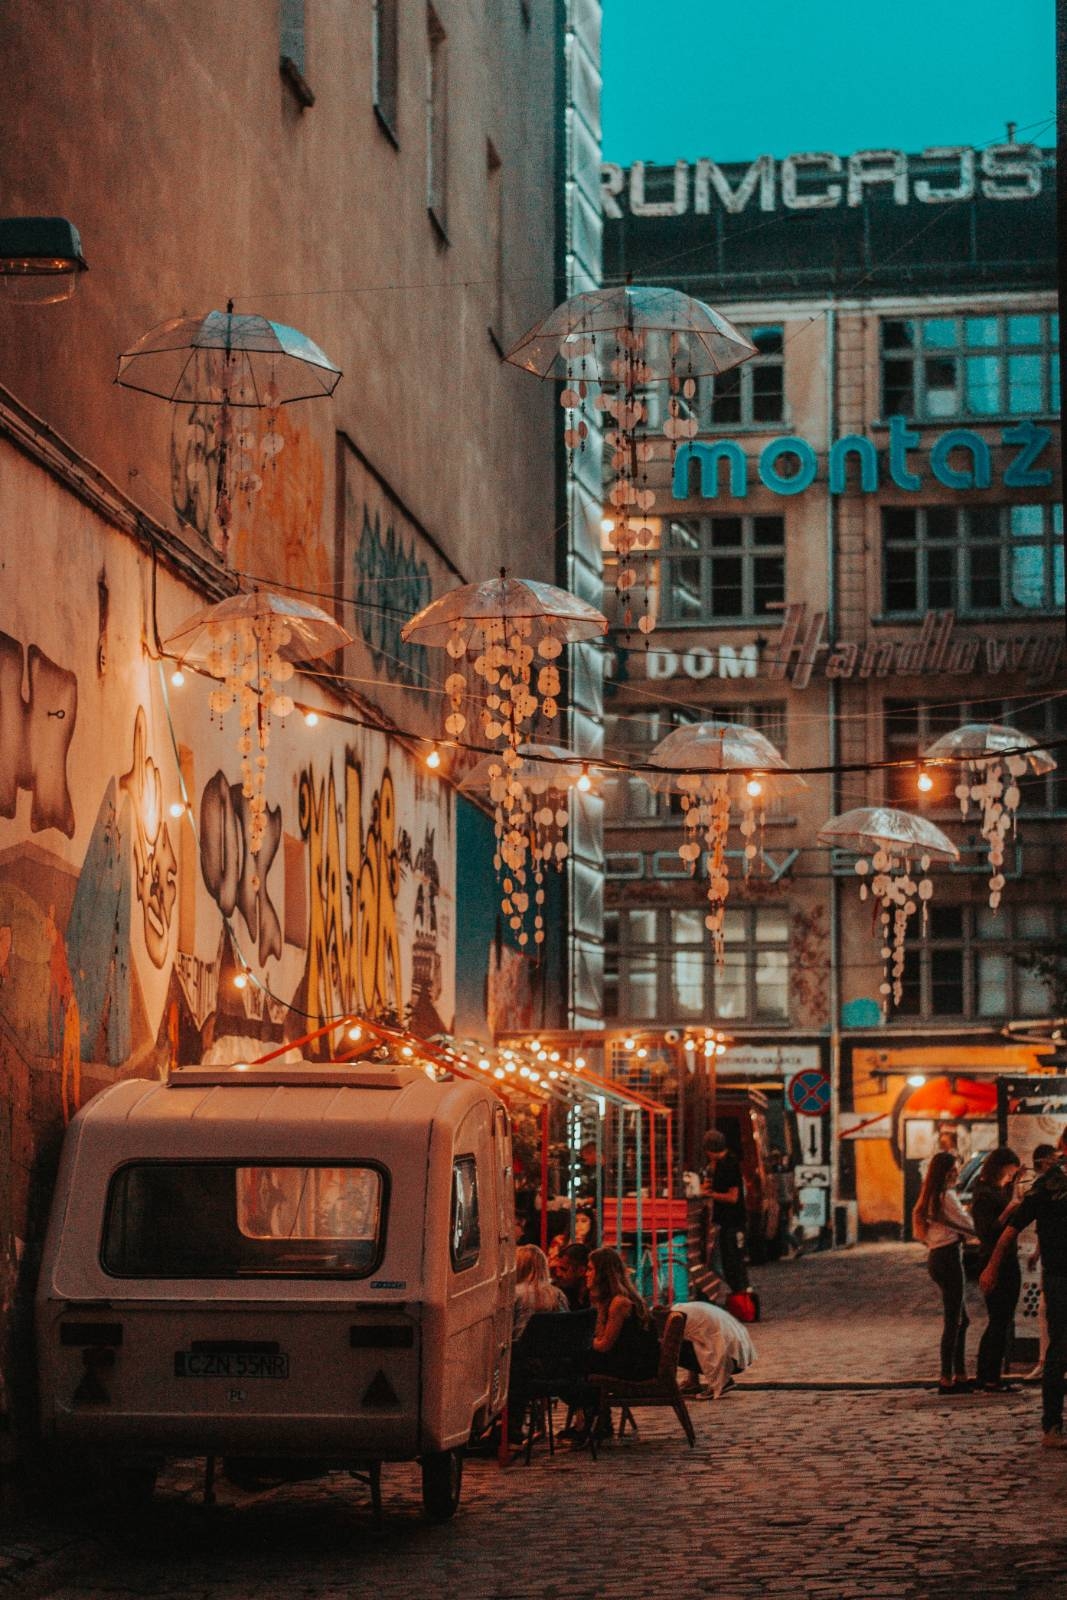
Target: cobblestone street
(829, 1490)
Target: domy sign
(817, 180)
(960, 459)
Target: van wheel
(442, 1478)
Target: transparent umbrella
(891, 842)
(617, 342)
(250, 642)
(703, 762)
(993, 758)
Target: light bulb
(585, 782)
(355, 1032)
(177, 677)
(484, 1063)
(607, 524)
(753, 787)
(241, 980)
(434, 758)
(629, 1044)
(916, 1080)
(177, 809)
(642, 1052)
(311, 719)
(407, 1051)
(924, 782)
(535, 1044)
(579, 1062)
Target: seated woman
(534, 1289)
(625, 1344)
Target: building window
(386, 65)
(719, 569)
(661, 968)
(495, 215)
(972, 963)
(437, 122)
(754, 392)
(292, 42)
(987, 366)
(628, 798)
(974, 560)
(910, 727)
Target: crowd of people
(1005, 1200)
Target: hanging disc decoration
(608, 346)
(890, 845)
(993, 759)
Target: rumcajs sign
(960, 459)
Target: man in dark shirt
(725, 1188)
(568, 1274)
(1045, 1205)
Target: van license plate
(220, 1364)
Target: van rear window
(200, 1219)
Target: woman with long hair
(993, 1202)
(942, 1224)
(625, 1342)
(534, 1289)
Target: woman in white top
(942, 1224)
(534, 1289)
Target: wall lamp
(40, 259)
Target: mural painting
(35, 735)
(155, 864)
(390, 565)
(235, 879)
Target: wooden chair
(662, 1390)
(548, 1363)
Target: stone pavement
(820, 1493)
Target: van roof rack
(303, 1074)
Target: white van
(299, 1263)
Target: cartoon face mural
(235, 879)
(35, 735)
(155, 864)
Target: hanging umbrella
(620, 340)
(582, 337)
(701, 762)
(869, 828)
(988, 752)
(225, 358)
(303, 631)
(891, 842)
(250, 642)
(539, 610)
(529, 835)
(227, 362)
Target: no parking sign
(809, 1093)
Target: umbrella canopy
(693, 751)
(583, 334)
(222, 358)
(980, 741)
(539, 609)
(542, 767)
(883, 828)
(300, 632)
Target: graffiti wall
(131, 897)
(388, 563)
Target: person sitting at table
(625, 1343)
(534, 1289)
(569, 1275)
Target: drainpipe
(834, 757)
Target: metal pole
(620, 1153)
(639, 1164)
(544, 1176)
(653, 1206)
(670, 1213)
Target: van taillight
(86, 1334)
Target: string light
(177, 677)
(629, 1044)
(579, 1062)
(355, 1032)
(924, 782)
(690, 1044)
(177, 809)
(754, 787)
(311, 719)
(916, 1080)
(584, 782)
(434, 758)
(240, 980)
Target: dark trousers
(946, 1268)
(1001, 1308)
(1056, 1355)
(733, 1258)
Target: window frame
(1047, 717)
(970, 944)
(742, 381)
(658, 953)
(918, 353)
(705, 551)
(960, 546)
(463, 1258)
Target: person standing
(993, 1202)
(725, 1188)
(1045, 1205)
(942, 1224)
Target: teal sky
(689, 78)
